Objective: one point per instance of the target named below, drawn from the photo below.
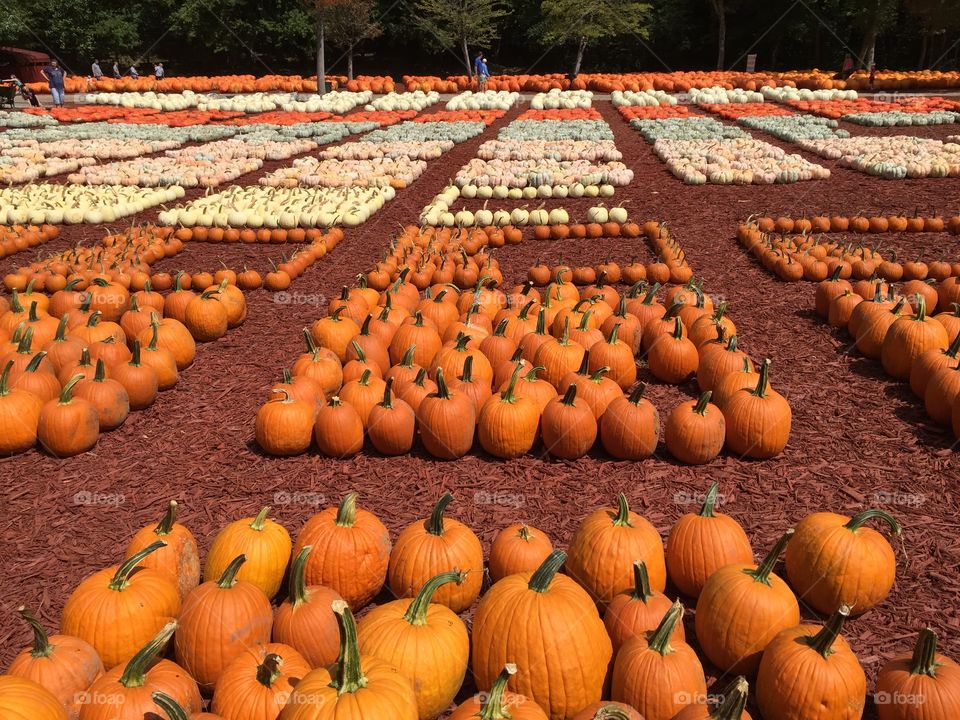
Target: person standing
(96, 71)
(483, 73)
(158, 71)
(116, 70)
(846, 69)
(133, 72)
(55, 77)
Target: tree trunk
(581, 48)
(350, 62)
(921, 63)
(321, 53)
(817, 46)
(721, 12)
(869, 49)
(466, 56)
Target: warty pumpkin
(179, 559)
(358, 686)
(126, 691)
(741, 608)
(425, 639)
(447, 421)
(517, 548)
(606, 545)
(435, 545)
(265, 545)
(834, 559)
(499, 703)
(908, 338)
(924, 685)
(658, 675)
(119, 609)
(351, 551)
(570, 658)
(701, 543)
(630, 426)
(305, 620)
(19, 416)
(338, 429)
(23, 699)
(731, 707)
(758, 422)
(64, 665)
(695, 431)
(218, 621)
(810, 671)
(258, 682)
(637, 611)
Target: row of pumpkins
(601, 641)
(505, 369)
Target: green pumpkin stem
(5, 379)
(763, 384)
(709, 501)
(660, 640)
(165, 526)
(857, 521)
(135, 672)
(734, 701)
(570, 396)
(349, 675)
(641, 582)
(599, 373)
(120, 578)
(387, 402)
(823, 641)
(611, 712)
(169, 706)
(636, 397)
(701, 407)
(41, 641)
(434, 525)
(763, 570)
(621, 518)
(951, 352)
(494, 707)
(229, 577)
(297, 589)
(416, 614)
(543, 576)
(407, 360)
(261, 519)
(35, 361)
(347, 512)
(268, 672)
(509, 395)
(541, 328)
(61, 335)
(921, 308)
(924, 660)
(442, 390)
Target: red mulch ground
(858, 439)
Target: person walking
(25, 92)
(158, 71)
(55, 77)
(133, 72)
(116, 70)
(95, 71)
(483, 73)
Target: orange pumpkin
(926, 678)
(179, 559)
(637, 611)
(258, 682)
(731, 707)
(22, 699)
(517, 548)
(498, 703)
(305, 620)
(264, 543)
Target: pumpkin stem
(119, 581)
(732, 342)
(361, 355)
(611, 712)
(135, 673)
(636, 397)
(5, 379)
(734, 701)
(407, 360)
(762, 572)
(298, 583)
(416, 614)
(169, 706)
(229, 577)
(442, 390)
(823, 641)
(763, 384)
(532, 375)
(660, 640)
(924, 661)
(35, 361)
(260, 520)
(612, 338)
(860, 518)
(41, 641)
(921, 308)
(494, 707)
(622, 517)
(349, 677)
(165, 526)
(509, 395)
(709, 501)
(434, 525)
(701, 407)
(543, 576)
(61, 335)
(365, 378)
(542, 322)
(641, 582)
(467, 374)
(387, 402)
(268, 672)
(524, 533)
(347, 512)
(677, 329)
(954, 348)
(600, 372)
(570, 397)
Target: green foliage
(576, 20)
(351, 23)
(454, 24)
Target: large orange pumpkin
(264, 542)
(22, 699)
(731, 707)
(921, 686)
(179, 559)
(258, 682)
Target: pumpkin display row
(735, 111)
(891, 157)
(101, 113)
(921, 110)
(23, 168)
(439, 211)
(122, 131)
(309, 659)
(794, 128)
(24, 120)
(98, 149)
(17, 238)
(643, 98)
(486, 100)
(73, 204)
(717, 95)
(557, 99)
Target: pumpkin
(258, 682)
(659, 675)
(637, 611)
(173, 336)
(508, 422)
(808, 671)
(64, 350)
(758, 422)
(929, 363)
(908, 338)
(22, 699)
(447, 421)
(391, 424)
(517, 548)
(179, 559)
(630, 426)
(140, 602)
(305, 620)
(616, 355)
(160, 359)
(741, 608)
(68, 425)
(559, 356)
(206, 317)
(499, 704)
(547, 623)
(434, 545)
(173, 711)
(338, 429)
(941, 394)
(731, 707)
(426, 640)
(568, 426)
(263, 542)
(321, 365)
(126, 691)
(139, 379)
(605, 546)
(35, 380)
(357, 686)
(718, 360)
(19, 416)
(673, 357)
(351, 551)
(834, 559)
(284, 424)
(701, 543)
(219, 619)
(695, 431)
(608, 711)
(108, 396)
(63, 665)
(924, 685)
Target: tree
(583, 21)
(320, 9)
(460, 23)
(935, 17)
(350, 24)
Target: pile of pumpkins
(76, 360)
(465, 362)
(72, 204)
(893, 157)
(16, 238)
(487, 100)
(601, 640)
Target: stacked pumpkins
(542, 643)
